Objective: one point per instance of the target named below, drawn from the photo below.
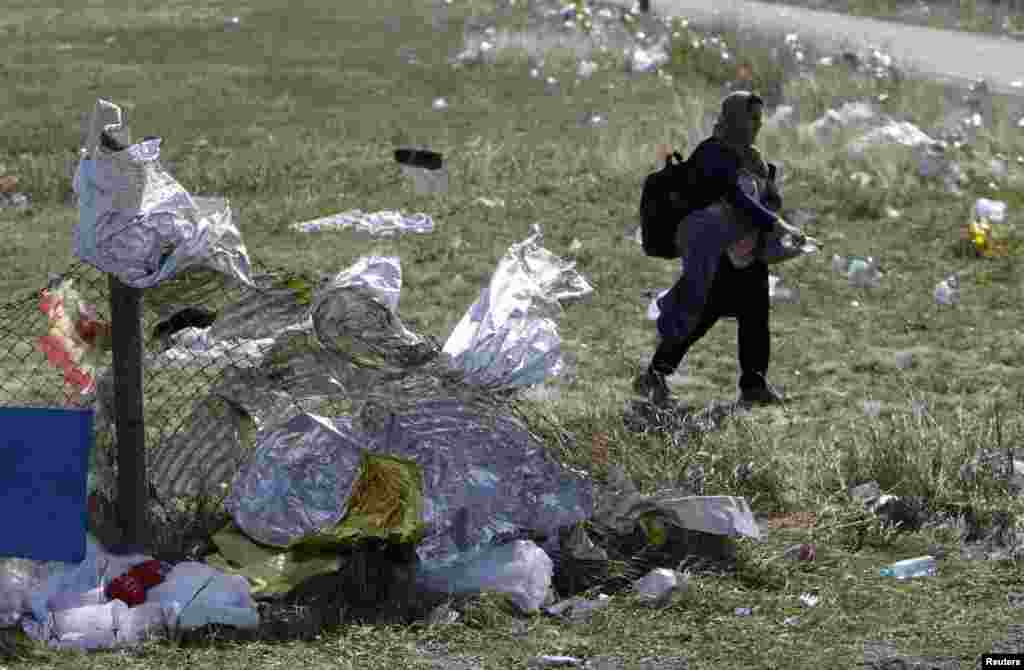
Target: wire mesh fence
(221, 360)
(177, 378)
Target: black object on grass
(420, 158)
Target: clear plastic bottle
(862, 272)
(922, 566)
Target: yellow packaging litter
(982, 240)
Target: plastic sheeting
(346, 348)
(509, 335)
(356, 317)
(485, 478)
(138, 223)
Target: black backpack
(666, 199)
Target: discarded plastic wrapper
(717, 515)
(577, 608)
(76, 341)
(658, 586)
(520, 569)
(509, 335)
(993, 211)
(386, 223)
(979, 234)
(270, 571)
(138, 223)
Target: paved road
(951, 57)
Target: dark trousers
(742, 293)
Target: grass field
(295, 116)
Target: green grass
(976, 16)
(300, 111)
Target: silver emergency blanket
(386, 223)
(356, 317)
(139, 224)
(297, 481)
(485, 477)
(347, 354)
(509, 335)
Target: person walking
(724, 249)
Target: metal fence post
(126, 340)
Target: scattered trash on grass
(861, 272)
(947, 291)
(658, 586)
(809, 599)
(780, 293)
(385, 223)
(578, 609)
(490, 202)
(993, 211)
(922, 566)
(66, 606)
(520, 570)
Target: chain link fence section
(182, 411)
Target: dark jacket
(717, 169)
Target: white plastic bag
(520, 569)
(509, 335)
(658, 586)
(213, 597)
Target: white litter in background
(586, 69)
(385, 223)
(440, 103)
(809, 600)
(489, 202)
(990, 210)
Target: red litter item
(149, 573)
(128, 589)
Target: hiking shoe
(652, 385)
(761, 395)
